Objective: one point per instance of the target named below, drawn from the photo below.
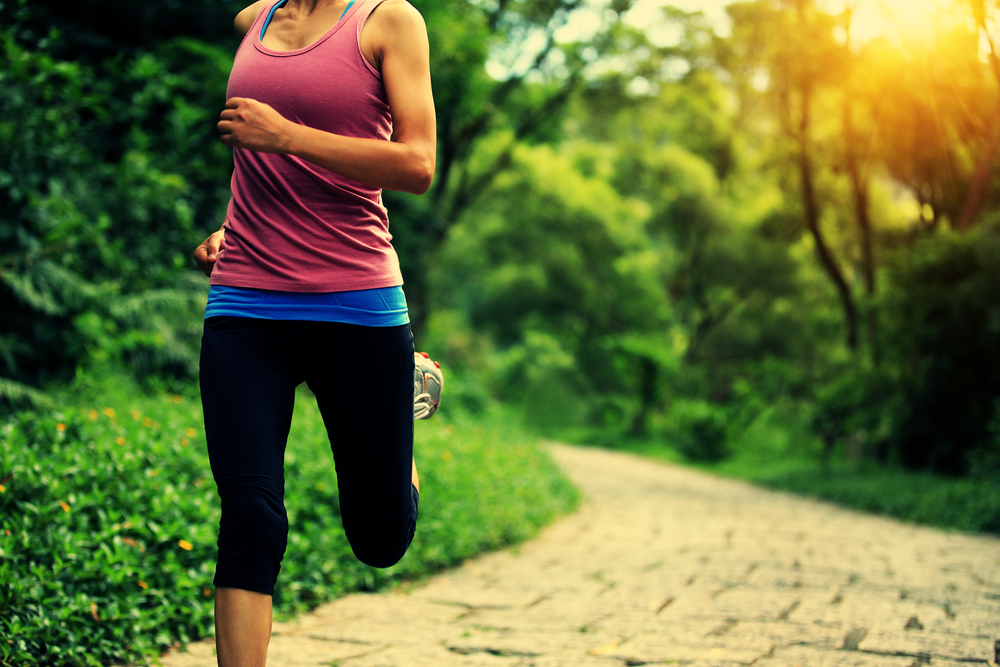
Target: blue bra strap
(270, 14)
(281, 3)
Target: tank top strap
(361, 15)
(270, 15)
(262, 19)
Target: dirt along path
(663, 565)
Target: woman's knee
(382, 543)
(380, 553)
(253, 534)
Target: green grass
(108, 519)
(970, 505)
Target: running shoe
(427, 384)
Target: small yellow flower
(185, 545)
(148, 421)
(93, 415)
(446, 456)
(175, 399)
(63, 505)
(143, 585)
(3, 489)
(60, 427)
(109, 413)
(153, 473)
(136, 415)
(190, 433)
(184, 442)
(120, 440)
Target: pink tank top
(294, 226)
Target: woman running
(306, 287)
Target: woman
(305, 286)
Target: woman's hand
(208, 252)
(253, 125)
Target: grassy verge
(970, 505)
(108, 516)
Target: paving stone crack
(499, 652)
(785, 613)
(666, 603)
(321, 638)
(724, 628)
(540, 599)
(930, 657)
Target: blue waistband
(381, 307)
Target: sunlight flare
(893, 19)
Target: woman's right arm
(244, 20)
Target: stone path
(664, 565)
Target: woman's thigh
(248, 385)
(363, 381)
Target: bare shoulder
(394, 27)
(244, 20)
(398, 16)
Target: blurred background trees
(775, 232)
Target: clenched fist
(253, 125)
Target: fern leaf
(15, 393)
(27, 292)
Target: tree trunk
(647, 395)
(809, 201)
(862, 214)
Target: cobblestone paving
(663, 565)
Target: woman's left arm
(398, 38)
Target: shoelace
(422, 406)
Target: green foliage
(109, 514)
(104, 168)
(106, 541)
(552, 265)
(971, 505)
(98, 29)
(946, 342)
(699, 430)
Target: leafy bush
(107, 166)
(699, 430)
(946, 342)
(106, 533)
(108, 517)
(962, 504)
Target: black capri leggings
(363, 381)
